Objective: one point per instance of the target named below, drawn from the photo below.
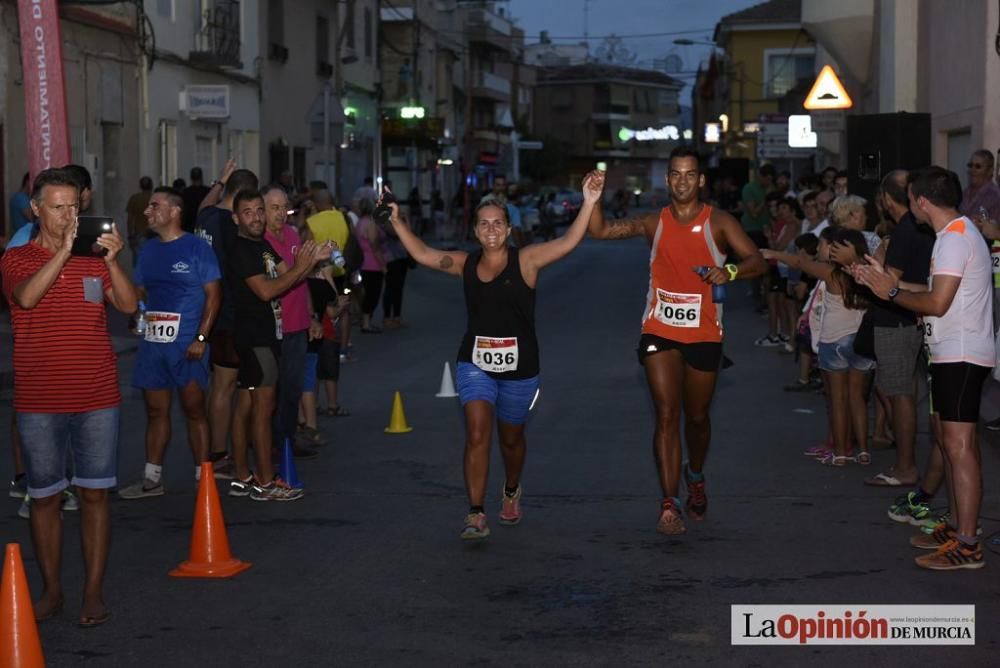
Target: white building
(200, 96)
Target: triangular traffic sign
(827, 92)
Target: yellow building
(769, 64)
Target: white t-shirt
(825, 223)
(965, 332)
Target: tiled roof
(774, 11)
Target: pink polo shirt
(295, 302)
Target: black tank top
(502, 315)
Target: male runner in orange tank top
(681, 342)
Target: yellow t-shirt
(329, 225)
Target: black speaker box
(880, 143)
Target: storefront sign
(205, 101)
(666, 133)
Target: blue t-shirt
(18, 203)
(216, 226)
(173, 274)
(22, 236)
(514, 215)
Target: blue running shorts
(512, 399)
(165, 366)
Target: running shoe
(929, 523)
(69, 501)
(799, 386)
(768, 342)
(953, 556)
(818, 451)
(510, 507)
(993, 425)
(276, 490)
(142, 489)
(475, 527)
(671, 521)
(18, 488)
(783, 338)
(904, 510)
(941, 534)
(24, 510)
(241, 487)
(697, 502)
(224, 469)
(301, 452)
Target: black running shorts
(705, 356)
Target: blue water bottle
(718, 291)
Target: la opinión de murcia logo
(853, 625)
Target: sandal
(836, 460)
(818, 451)
(337, 411)
(864, 458)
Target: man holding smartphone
(66, 383)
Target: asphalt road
(368, 569)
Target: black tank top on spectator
(500, 335)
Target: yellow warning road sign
(828, 92)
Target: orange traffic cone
(397, 422)
(20, 646)
(209, 556)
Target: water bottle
(337, 257)
(140, 320)
(718, 291)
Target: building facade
(629, 119)
(200, 88)
(920, 56)
(101, 52)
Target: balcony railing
(218, 41)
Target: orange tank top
(679, 304)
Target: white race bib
(930, 325)
(495, 355)
(162, 327)
(676, 309)
(995, 257)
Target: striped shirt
(63, 359)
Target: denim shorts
(840, 356)
(513, 399)
(92, 438)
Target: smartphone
(602, 166)
(87, 231)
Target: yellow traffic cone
(397, 423)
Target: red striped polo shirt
(63, 359)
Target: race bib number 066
(495, 355)
(678, 310)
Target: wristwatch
(892, 293)
(217, 183)
(201, 338)
(733, 271)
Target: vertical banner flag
(44, 85)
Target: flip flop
(91, 622)
(886, 480)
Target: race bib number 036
(495, 355)
(677, 309)
(162, 327)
